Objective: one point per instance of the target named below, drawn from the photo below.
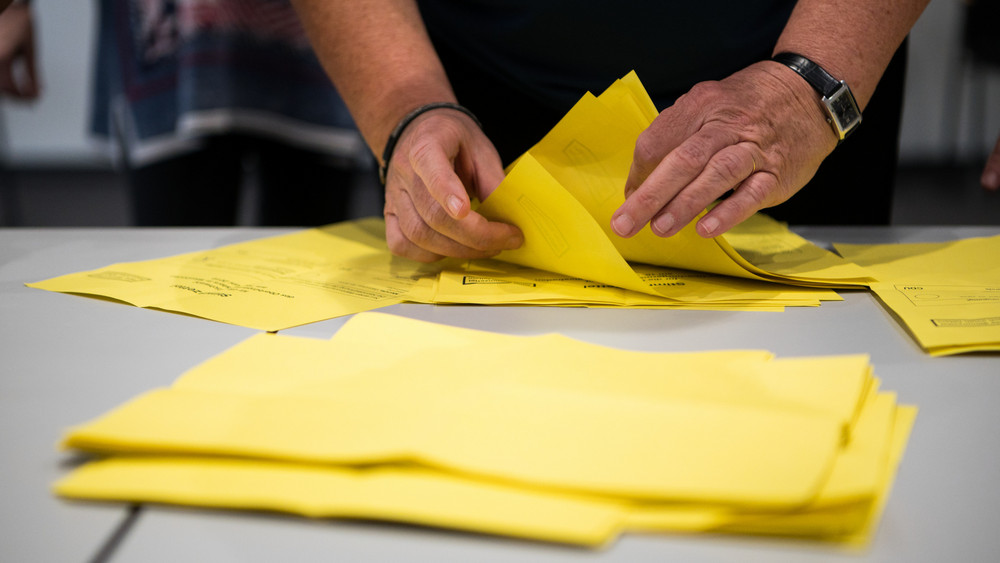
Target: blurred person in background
(198, 94)
(18, 71)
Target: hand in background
(991, 173)
(18, 72)
(441, 159)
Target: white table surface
(67, 359)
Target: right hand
(442, 158)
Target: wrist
(837, 101)
(378, 113)
(400, 128)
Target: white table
(67, 359)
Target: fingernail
(663, 223)
(623, 225)
(514, 243)
(708, 226)
(454, 205)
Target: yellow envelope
(268, 284)
(947, 294)
(398, 493)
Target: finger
(681, 166)
(666, 132)
(487, 173)
(434, 238)
(724, 171)
(754, 194)
(401, 246)
(473, 236)
(436, 169)
(472, 233)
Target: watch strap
(815, 75)
(843, 113)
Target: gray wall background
(939, 121)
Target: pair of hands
(760, 132)
(18, 72)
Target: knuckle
(755, 194)
(397, 242)
(646, 154)
(412, 229)
(397, 246)
(687, 204)
(647, 199)
(744, 121)
(436, 217)
(421, 150)
(706, 89)
(691, 156)
(727, 165)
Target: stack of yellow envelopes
(288, 280)
(946, 293)
(537, 437)
(494, 282)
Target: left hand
(761, 132)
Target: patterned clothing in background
(170, 73)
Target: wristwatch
(841, 107)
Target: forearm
(379, 57)
(854, 40)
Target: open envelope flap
(559, 235)
(589, 153)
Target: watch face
(844, 110)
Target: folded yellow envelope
(947, 294)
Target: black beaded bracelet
(390, 145)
